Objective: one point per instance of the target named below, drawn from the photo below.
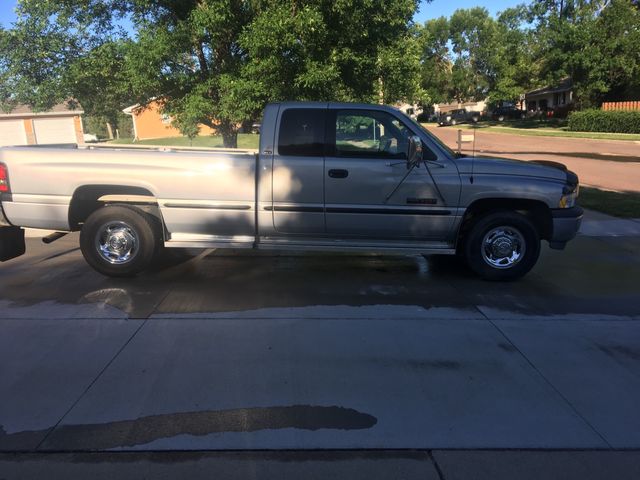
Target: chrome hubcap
(117, 242)
(503, 247)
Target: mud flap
(11, 243)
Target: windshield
(440, 143)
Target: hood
(522, 168)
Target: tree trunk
(229, 134)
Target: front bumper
(566, 223)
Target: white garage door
(54, 130)
(12, 133)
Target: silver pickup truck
(327, 176)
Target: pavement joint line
(555, 389)
(428, 451)
(431, 456)
(84, 392)
(258, 318)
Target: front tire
(119, 240)
(502, 246)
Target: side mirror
(414, 154)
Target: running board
(357, 248)
(316, 245)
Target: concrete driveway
(607, 164)
(253, 365)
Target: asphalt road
(607, 164)
(255, 365)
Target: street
(606, 164)
(412, 364)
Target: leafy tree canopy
(215, 62)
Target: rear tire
(502, 246)
(120, 240)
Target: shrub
(609, 121)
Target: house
(410, 109)
(555, 98)
(149, 122)
(61, 124)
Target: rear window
(302, 132)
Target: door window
(302, 132)
(370, 134)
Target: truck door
(366, 192)
(298, 170)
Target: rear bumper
(3, 218)
(566, 223)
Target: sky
(434, 9)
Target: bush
(609, 121)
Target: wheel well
(87, 199)
(538, 212)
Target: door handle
(338, 173)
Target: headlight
(568, 199)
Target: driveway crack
(100, 373)
(553, 387)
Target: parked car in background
(455, 117)
(255, 128)
(503, 113)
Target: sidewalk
(596, 224)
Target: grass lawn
(547, 128)
(618, 204)
(245, 140)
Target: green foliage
(346, 50)
(97, 125)
(595, 43)
(212, 62)
(612, 121)
(472, 56)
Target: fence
(621, 106)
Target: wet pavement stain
(617, 351)
(144, 430)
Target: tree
(436, 77)
(596, 43)
(214, 62)
(66, 59)
(325, 50)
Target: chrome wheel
(117, 242)
(503, 247)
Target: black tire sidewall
(144, 227)
(473, 244)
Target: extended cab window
(302, 132)
(370, 134)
